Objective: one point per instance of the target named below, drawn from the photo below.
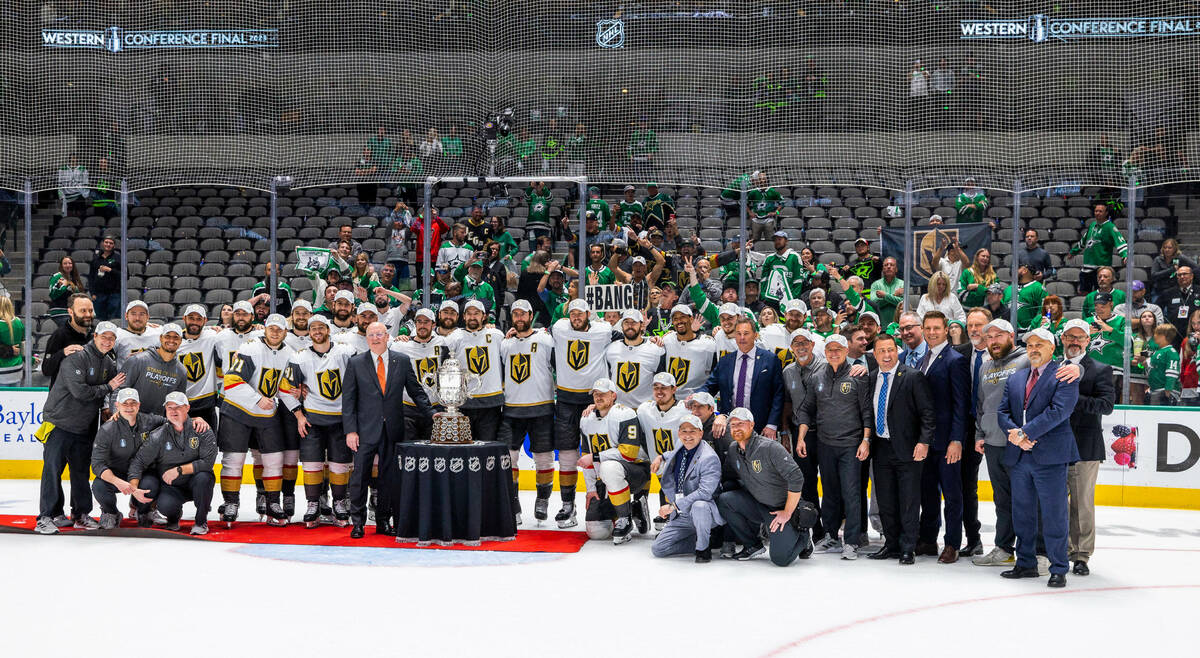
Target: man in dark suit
(373, 416)
(976, 352)
(941, 476)
(1035, 412)
(749, 377)
(900, 440)
(1096, 399)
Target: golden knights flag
(928, 240)
(312, 259)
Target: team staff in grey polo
(155, 373)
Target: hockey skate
(312, 516)
(341, 513)
(566, 516)
(260, 506)
(326, 511)
(541, 510)
(289, 505)
(276, 516)
(641, 515)
(229, 513)
(622, 531)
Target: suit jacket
(700, 480)
(910, 414)
(1096, 399)
(949, 378)
(1047, 419)
(375, 415)
(766, 387)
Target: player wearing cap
(426, 350)
(633, 360)
(297, 336)
(447, 319)
(357, 340)
(689, 356)
(660, 417)
(179, 458)
(477, 348)
(778, 337)
(782, 272)
(580, 348)
(617, 460)
(229, 340)
(691, 478)
(155, 373)
(200, 355)
(343, 313)
(630, 210)
(312, 391)
(137, 335)
(248, 414)
(529, 409)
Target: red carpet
(527, 541)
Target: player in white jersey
(633, 360)
(297, 336)
(447, 319)
(617, 461)
(248, 414)
(138, 335)
(689, 356)
(777, 337)
(343, 314)
(199, 354)
(660, 421)
(357, 340)
(312, 392)
(477, 348)
(723, 334)
(425, 350)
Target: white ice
(96, 596)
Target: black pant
(840, 471)
(208, 415)
(1087, 280)
(898, 489)
(66, 449)
(196, 487)
(745, 516)
(417, 427)
(808, 466)
(485, 422)
(360, 478)
(970, 487)
(106, 495)
(941, 494)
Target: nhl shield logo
(423, 465)
(505, 463)
(845, 388)
(577, 353)
(473, 464)
(439, 464)
(491, 463)
(628, 376)
(410, 463)
(193, 443)
(330, 384)
(268, 382)
(478, 360)
(193, 363)
(519, 368)
(679, 369)
(664, 442)
(456, 465)
(610, 33)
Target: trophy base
(451, 428)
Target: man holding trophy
(477, 349)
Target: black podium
(454, 494)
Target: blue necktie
(975, 382)
(913, 360)
(881, 406)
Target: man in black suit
(1096, 399)
(373, 416)
(900, 440)
(750, 377)
(976, 352)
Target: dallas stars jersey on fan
(775, 337)
(129, 343)
(632, 368)
(201, 360)
(479, 354)
(661, 427)
(689, 362)
(1108, 347)
(579, 358)
(323, 375)
(529, 381)
(782, 274)
(254, 372)
(425, 358)
(354, 340)
(617, 435)
(627, 210)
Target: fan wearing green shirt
(782, 272)
(1108, 334)
(763, 203)
(598, 273)
(658, 208)
(971, 204)
(1162, 374)
(1052, 320)
(887, 292)
(537, 223)
(470, 275)
(380, 146)
(1030, 294)
(599, 207)
(643, 144)
(452, 145)
(976, 279)
(1100, 240)
(630, 210)
(524, 147)
(1106, 279)
(577, 147)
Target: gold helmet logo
(599, 442)
(426, 369)
(193, 363)
(927, 243)
(664, 441)
(785, 355)
(330, 383)
(577, 354)
(679, 369)
(268, 382)
(478, 360)
(519, 368)
(629, 373)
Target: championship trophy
(454, 386)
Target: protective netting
(862, 92)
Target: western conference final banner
(928, 240)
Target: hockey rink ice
(101, 596)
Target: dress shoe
(1057, 580)
(1081, 568)
(974, 547)
(1020, 572)
(884, 553)
(704, 556)
(924, 548)
(907, 557)
(384, 528)
(949, 555)
(357, 531)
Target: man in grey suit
(690, 480)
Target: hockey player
(777, 336)
(425, 350)
(689, 356)
(156, 372)
(478, 349)
(200, 357)
(312, 391)
(343, 313)
(447, 319)
(251, 384)
(617, 461)
(529, 409)
(297, 336)
(633, 360)
(357, 339)
(137, 335)
(660, 421)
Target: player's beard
(193, 329)
(581, 326)
(447, 323)
(300, 325)
(241, 326)
(423, 334)
(341, 316)
(632, 333)
(473, 324)
(521, 326)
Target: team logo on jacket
(193, 443)
(577, 353)
(664, 442)
(629, 373)
(785, 356)
(193, 363)
(756, 465)
(330, 383)
(599, 442)
(268, 382)
(519, 367)
(679, 369)
(478, 360)
(845, 388)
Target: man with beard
(782, 272)
(200, 356)
(477, 348)
(230, 340)
(778, 337)
(343, 313)
(633, 361)
(597, 272)
(447, 319)
(357, 340)
(640, 276)
(312, 391)
(426, 350)
(297, 337)
(529, 410)
(689, 356)
(976, 351)
(155, 373)
(454, 251)
(137, 335)
(70, 337)
(722, 319)
(617, 460)
(660, 418)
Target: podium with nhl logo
(454, 494)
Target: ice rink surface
(99, 596)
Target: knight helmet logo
(927, 244)
(426, 369)
(478, 360)
(193, 363)
(610, 33)
(599, 443)
(519, 368)
(629, 373)
(679, 369)
(845, 388)
(193, 443)
(664, 441)
(268, 382)
(577, 353)
(330, 383)
(785, 356)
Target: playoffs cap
(474, 304)
(604, 385)
(682, 308)
(703, 398)
(801, 333)
(448, 306)
(344, 295)
(126, 394)
(195, 308)
(303, 303)
(427, 314)
(319, 319)
(243, 306)
(835, 339)
(1001, 324)
(368, 307)
(177, 398)
(1078, 324)
(171, 327)
(276, 320)
(578, 305)
(795, 305)
(522, 305)
(1040, 333)
(692, 420)
(742, 413)
(632, 314)
(106, 327)
(729, 308)
(664, 379)
(136, 303)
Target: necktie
(381, 374)
(681, 469)
(739, 397)
(975, 381)
(881, 406)
(1033, 377)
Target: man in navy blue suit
(1035, 411)
(749, 377)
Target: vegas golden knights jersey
(323, 375)
(661, 427)
(425, 359)
(689, 362)
(200, 360)
(355, 340)
(529, 375)
(254, 372)
(479, 354)
(616, 435)
(725, 344)
(579, 358)
(632, 368)
(775, 337)
(129, 343)
(295, 342)
(228, 342)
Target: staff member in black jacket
(88, 377)
(70, 337)
(179, 458)
(1096, 399)
(904, 422)
(976, 352)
